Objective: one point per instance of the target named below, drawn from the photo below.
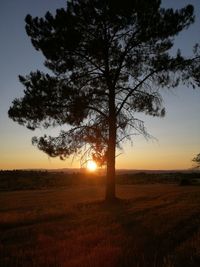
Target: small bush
(185, 181)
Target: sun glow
(91, 165)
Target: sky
(176, 136)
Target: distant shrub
(185, 182)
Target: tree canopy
(196, 160)
(107, 61)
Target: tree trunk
(110, 175)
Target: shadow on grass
(142, 243)
(143, 232)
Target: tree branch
(130, 93)
(186, 62)
(98, 111)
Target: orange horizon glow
(148, 157)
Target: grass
(150, 226)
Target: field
(151, 225)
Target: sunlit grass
(154, 225)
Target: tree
(107, 60)
(196, 160)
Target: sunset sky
(176, 136)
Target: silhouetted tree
(107, 60)
(196, 160)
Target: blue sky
(177, 134)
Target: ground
(149, 226)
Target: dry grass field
(150, 226)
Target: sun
(91, 165)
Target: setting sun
(91, 165)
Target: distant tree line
(34, 180)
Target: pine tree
(107, 61)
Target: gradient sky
(177, 136)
